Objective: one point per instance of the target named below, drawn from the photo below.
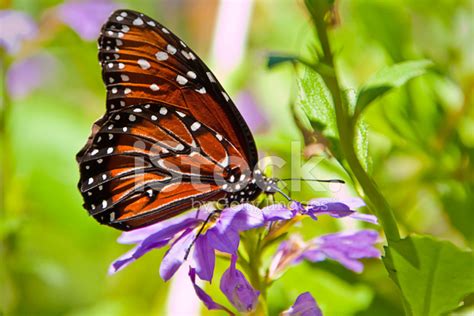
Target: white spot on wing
(191, 74)
(154, 87)
(161, 56)
(195, 126)
(226, 97)
(143, 63)
(137, 21)
(171, 49)
(163, 110)
(181, 80)
(201, 91)
(185, 54)
(211, 77)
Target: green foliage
(433, 276)
(316, 103)
(328, 289)
(275, 60)
(387, 79)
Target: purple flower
(305, 305)
(28, 74)
(339, 208)
(204, 297)
(17, 27)
(316, 207)
(345, 248)
(221, 234)
(251, 111)
(86, 17)
(238, 290)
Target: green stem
(375, 200)
(6, 247)
(253, 246)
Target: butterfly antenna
(201, 229)
(283, 193)
(316, 180)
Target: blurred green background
(54, 258)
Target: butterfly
(171, 136)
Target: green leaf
(433, 276)
(361, 143)
(315, 100)
(327, 288)
(275, 60)
(387, 23)
(388, 78)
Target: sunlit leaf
(388, 78)
(275, 60)
(328, 289)
(361, 143)
(316, 102)
(433, 276)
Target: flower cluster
(221, 234)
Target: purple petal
(344, 248)
(86, 17)
(305, 305)
(224, 235)
(134, 254)
(174, 257)
(339, 208)
(226, 242)
(241, 217)
(17, 27)
(122, 261)
(204, 258)
(28, 74)
(330, 207)
(238, 290)
(162, 230)
(277, 212)
(288, 253)
(365, 217)
(253, 114)
(204, 297)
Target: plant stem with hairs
(345, 125)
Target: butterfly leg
(201, 229)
